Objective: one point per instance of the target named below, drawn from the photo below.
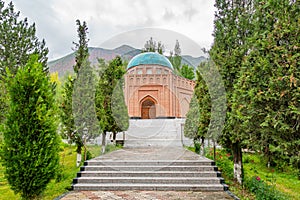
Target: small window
(149, 71)
(139, 71)
(158, 71)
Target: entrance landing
(160, 133)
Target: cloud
(55, 19)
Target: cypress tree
(31, 144)
(83, 106)
(267, 92)
(228, 51)
(110, 104)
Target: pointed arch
(148, 107)
(185, 106)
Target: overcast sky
(115, 22)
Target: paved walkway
(152, 153)
(146, 195)
(149, 153)
(150, 130)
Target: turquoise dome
(149, 58)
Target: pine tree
(18, 41)
(31, 144)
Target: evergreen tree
(228, 51)
(160, 48)
(3, 102)
(267, 93)
(78, 95)
(151, 46)
(83, 106)
(109, 102)
(119, 109)
(187, 72)
(207, 106)
(66, 112)
(81, 48)
(31, 144)
(177, 58)
(18, 41)
(191, 127)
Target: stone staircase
(153, 158)
(179, 175)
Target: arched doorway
(148, 109)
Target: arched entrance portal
(148, 109)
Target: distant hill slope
(65, 64)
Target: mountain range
(65, 64)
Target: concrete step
(153, 142)
(150, 180)
(159, 187)
(203, 162)
(148, 174)
(149, 168)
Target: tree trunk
(214, 146)
(114, 138)
(78, 160)
(238, 164)
(103, 141)
(202, 147)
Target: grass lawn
(284, 179)
(55, 188)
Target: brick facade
(154, 91)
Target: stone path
(151, 151)
(146, 195)
(150, 154)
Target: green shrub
(223, 161)
(262, 190)
(31, 144)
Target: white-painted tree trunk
(78, 160)
(237, 171)
(103, 142)
(238, 163)
(202, 148)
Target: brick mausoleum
(152, 90)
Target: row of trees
(256, 50)
(93, 100)
(32, 108)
